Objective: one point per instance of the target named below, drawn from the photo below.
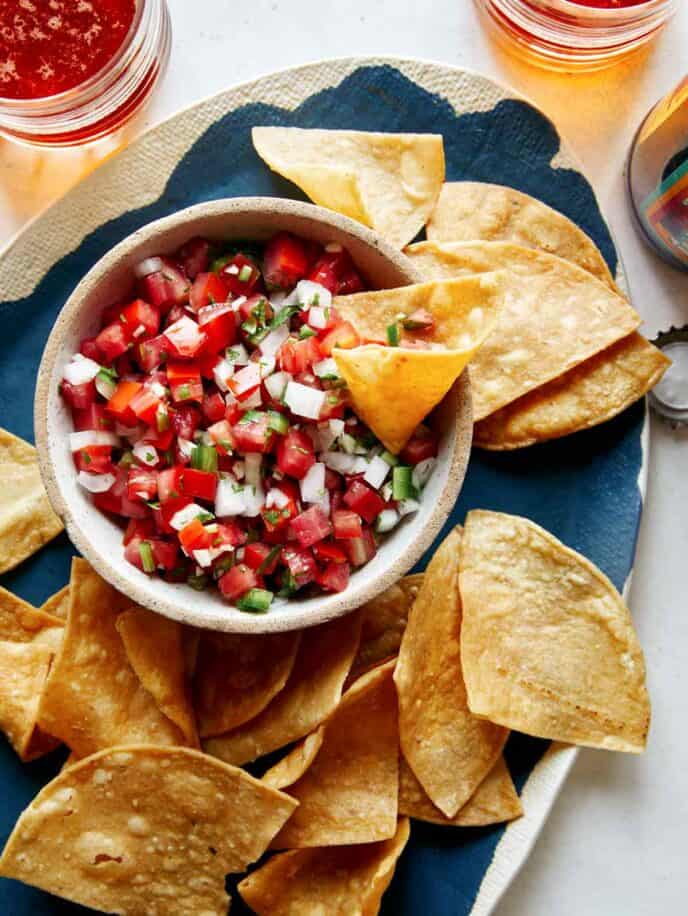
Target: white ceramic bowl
(99, 538)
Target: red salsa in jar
(210, 418)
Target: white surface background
(615, 844)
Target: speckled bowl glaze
(99, 538)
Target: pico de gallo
(209, 415)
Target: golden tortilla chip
(555, 316)
(21, 622)
(384, 622)
(470, 210)
(93, 698)
(394, 388)
(547, 644)
(23, 670)
(57, 604)
(237, 677)
(292, 767)
(26, 520)
(191, 640)
(144, 830)
(312, 692)
(339, 881)
(389, 182)
(591, 393)
(155, 649)
(349, 792)
(493, 802)
(449, 749)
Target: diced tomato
(335, 404)
(152, 353)
(78, 397)
(184, 380)
(194, 256)
(229, 533)
(132, 553)
(160, 441)
(244, 382)
(361, 550)
(237, 581)
(119, 404)
(199, 484)
(206, 364)
(346, 524)
(257, 303)
(92, 417)
(145, 405)
(253, 434)
(90, 349)
(115, 499)
(213, 406)
(343, 336)
(311, 526)
(233, 413)
(142, 484)
(420, 321)
(301, 564)
(180, 572)
(168, 510)
(276, 519)
(333, 480)
(218, 323)
(174, 314)
(195, 536)
(140, 319)
(167, 287)
(221, 434)
(335, 270)
(256, 556)
(165, 554)
(170, 484)
(97, 459)
(112, 341)
(236, 275)
(327, 552)
(207, 289)
(295, 454)
(143, 529)
(285, 261)
(334, 577)
(422, 445)
(364, 500)
(295, 356)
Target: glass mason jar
(657, 176)
(576, 34)
(104, 101)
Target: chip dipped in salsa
(209, 413)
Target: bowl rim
(331, 606)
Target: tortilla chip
(57, 604)
(238, 676)
(26, 520)
(312, 692)
(591, 393)
(547, 645)
(349, 793)
(21, 622)
(493, 802)
(470, 210)
(389, 182)
(555, 316)
(144, 830)
(191, 640)
(384, 622)
(93, 698)
(155, 650)
(448, 748)
(292, 767)
(23, 670)
(339, 881)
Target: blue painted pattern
(583, 489)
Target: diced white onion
(105, 386)
(255, 400)
(158, 389)
(271, 343)
(407, 506)
(186, 515)
(277, 498)
(148, 266)
(306, 293)
(322, 435)
(252, 466)
(146, 454)
(386, 520)
(239, 469)
(343, 463)
(95, 483)
(304, 401)
(87, 437)
(317, 318)
(267, 366)
(276, 383)
(386, 491)
(326, 368)
(203, 558)
(222, 372)
(337, 426)
(183, 333)
(277, 299)
(80, 370)
(229, 497)
(312, 485)
(377, 472)
(237, 354)
(254, 496)
(185, 446)
(348, 443)
(422, 471)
